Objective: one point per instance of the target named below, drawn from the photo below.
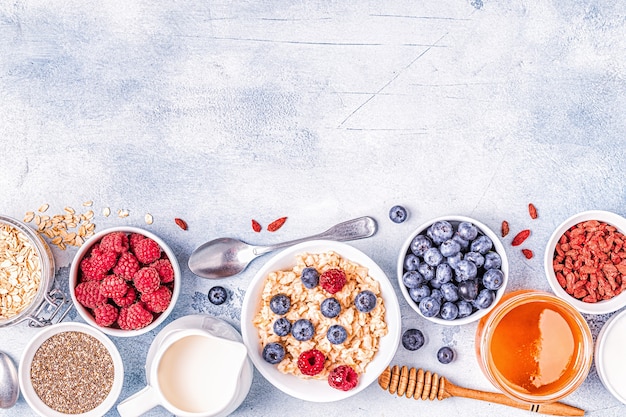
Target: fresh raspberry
(102, 261)
(147, 280)
(333, 280)
(135, 238)
(127, 266)
(106, 315)
(157, 301)
(113, 286)
(90, 272)
(147, 251)
(343, 378)
(165, 270)
(311, 362)
(134, 317)
(88, 294)
(115, 241)
(128, 298)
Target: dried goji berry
(505, 228)
(181, 223)
(532, 210)
(256, 226)
(527, 253)
(520, 237)
(276, 224)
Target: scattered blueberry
(411, 262)
(450, 291)
(217, 295)
(484, 299)
(330, 308)
(398, 214)
(427, 271)
(280, 304)
(449, 248)
(310, 277)
(476, 257)
(493, 279)
(465, 270)
(440, 231)
(420, 245)
(482, 244)
(413, 339)
(432, 256)
(445, 355)
(429, 307)
(467, 231)
(365, 301)
(273, 353)
(412, 279)
(492, 261)
(465, 308)
(282, 327)
(449, 311)
(468, 290)
(417, 294)
(336, 334)
(302, 330)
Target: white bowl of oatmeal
(371, 337)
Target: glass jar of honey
(534, 347)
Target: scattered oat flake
(527, 253)
(106, 212)
(43, 208)
(256, 226)
(122, 213)
(276, 224)
(181, 223)
(532, 210)
(520, 237)
(29, 216)
(88, 203)
(505, 228)
(148, 218)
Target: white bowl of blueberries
(452, 270)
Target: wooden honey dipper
(424, 385)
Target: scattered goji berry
(276, 224)
(505, 228)
(520, 237)
(181, 223)
(256, 226)
(527, 253)
(532, 210)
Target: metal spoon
(9, 386)
(225, 257)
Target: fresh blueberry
(449, 248)
(273, 353)
(464, 244)
(310, 277)
(454, 260)
(336, 334)
(411, 262)
(280, 304)
(485, 298)
(482, 244)
(282, 327)
(465, 308)
(449, 311)
(420, 244)
(302, 330)
(217, 295)
(443, 274)
(445, 355)
(429, 307)
(365, 301)
(437, 294)
(413, 339)
(493, 279)
(468, 290)
(467, 231)
(330, 308)
(433, 257)
(465, 270)
(476, 257)
(440, 231)
(492, 260)
(417, 294)
(450, 291)
(398, 214)
(427, 271)
(412, 279)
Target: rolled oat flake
(72, 372)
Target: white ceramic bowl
(309, 389)
(86, 314)
(497, 247)
(600, 307)
(609, 356)
(26, 386)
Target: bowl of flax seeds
(71, 369)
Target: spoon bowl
(225, 257)
(9, 384)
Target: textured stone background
(219, 112)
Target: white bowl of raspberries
(452, 270)
(125, 281)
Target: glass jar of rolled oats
(27, 278)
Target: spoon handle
(358, 228)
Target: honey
(534, 347)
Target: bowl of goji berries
(585, 261)
(125, 281)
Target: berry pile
(452, 271)
(125, 281)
